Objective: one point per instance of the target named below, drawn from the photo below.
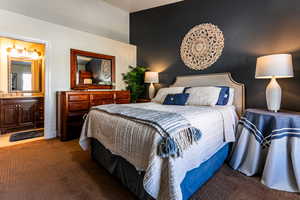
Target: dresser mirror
(91, 70)
(24, 75)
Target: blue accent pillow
(176, 99)
(224, 95)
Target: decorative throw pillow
(203, 96)
(176, 99)
(163, 92)
(224, 95)
(231, 97)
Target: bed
(128, 148)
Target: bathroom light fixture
(13, 51)
(22, 53)
(35, 55)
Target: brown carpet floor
(53, 170)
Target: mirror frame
(9, 83)
(73, 66)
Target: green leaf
(135, 81)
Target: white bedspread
(137, 143)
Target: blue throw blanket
(168, 124)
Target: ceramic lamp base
(151, 91)
(273, 95)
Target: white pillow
(231, 97)
(203, 96)
(163, 92)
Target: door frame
(48, 97)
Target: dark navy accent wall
(251, 29)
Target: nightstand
(143, 100)
(268, 144)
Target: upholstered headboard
(219, 79)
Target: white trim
(284, 133)
(286, 129)
(246, 120)
(253, 130)
(48, 96)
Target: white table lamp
(272, 67)
(151, 77)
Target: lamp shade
(276, 65)
(151, 77)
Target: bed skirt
(133, 180)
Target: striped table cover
(268, 144)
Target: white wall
(93, 16)
(59, 41)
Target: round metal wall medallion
(202, 46)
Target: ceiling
(92, 16)
(138, 5)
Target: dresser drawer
(102, 102)
(79, 97)
(77, 106)
(73, 105)
(123, 95)
(102, 96)
(122, 101)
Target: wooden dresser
(73, 105)
(21, 113)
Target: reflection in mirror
(24, 75)
(94, 71)
(91, 70)
(21, 75)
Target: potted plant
(135, 82)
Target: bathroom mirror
(91, 70)
(24, 75)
